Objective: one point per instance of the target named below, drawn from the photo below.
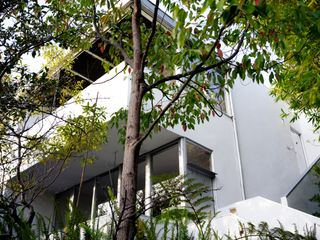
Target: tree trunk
(132, 146)
(130, 164)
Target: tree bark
(132, 145)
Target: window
(85, 200)
(141, 184)
(67, 199)
(63, 202)
(165, 167)
(198, 156)
(106, 184)
(165, 164)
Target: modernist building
(250, 155)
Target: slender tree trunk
(132, 147)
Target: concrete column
(182, 161)
(119, 185)
(93, 204)
(284, 201)
(148, 185)
(71, 200)
(182, 156)
(213, 185)
(236, 139)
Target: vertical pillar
(284, 201)
(71, 200)
(237, 144)
(93, 204)
(119, 185)
(183, 161)
(148, 185)
(182, 156)
(213, 185)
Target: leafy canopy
(216, 42)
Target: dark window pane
(198, 156)
(106, 184)
(85, 200)
(62, 204)
(165, 164)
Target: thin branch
(199, 68)
(124, 54)
(205, 99)
(99, 58)
(190, 75)
(153, 31)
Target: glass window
(198, 156)
(85, 200)
(107, 181)
(141, 184)
(165, 164)
(63, 202)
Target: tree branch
(124, 54)
(200, 68)
(190, 75)
(205, 99)
(153, 31)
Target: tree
(301, 85)
(211, 45)
(26, 98)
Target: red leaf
(162, 69)
(220, 53)
(218, 45)
(202, 116)
(184, 127)
(102, 48)
(257, 2)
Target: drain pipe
(236, 139)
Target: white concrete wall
(269, 162)
(309, 138)
(257, 210)
(218, 135)
(109, 91)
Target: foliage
(13, 223)
(210, 31)
(56, 57)
(299, 84)
(172, 223)
(88, 131)
(178, 72)
(263, 231)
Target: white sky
(34, 64)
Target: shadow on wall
(307, 188)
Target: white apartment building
(249, 155)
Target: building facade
(248, 152)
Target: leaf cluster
(79, 135)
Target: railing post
(119, 185)
(182, 161)
(182, 156)
(93, 204)
(148, 186)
